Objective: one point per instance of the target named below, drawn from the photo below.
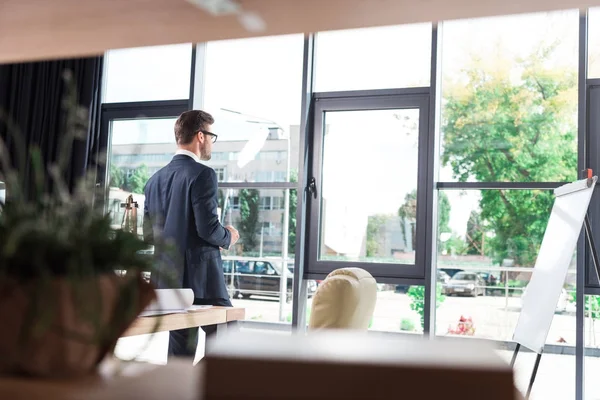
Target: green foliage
(592, 305)
(137, 180)
(475, 234)
(408, 213)
(407, 324)
(133, 182)
(292, 215)
(249, 213)
(455, 245)
(117, 176)
(374, 225)
(444, 213)
(502, 128)
(417, 300)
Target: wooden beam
(42, 29)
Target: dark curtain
(32, 100)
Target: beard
(205, 154)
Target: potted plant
(62, 306)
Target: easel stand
(594, 253)
(535, 367)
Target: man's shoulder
(202, 169)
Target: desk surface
(171, 322)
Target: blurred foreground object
(352, 365)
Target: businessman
(181, 207)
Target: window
(250, 210)
(373, 58)
(265, 203)
(262, 239)
(277, 203)
(378, 222)
(221, 174)
(2, 192)
(253, 89)
(488, 241)
(138, 148)
(594, 43)
(148, 73)
(509, 92)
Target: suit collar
(187, 153)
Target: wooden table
(223, 317)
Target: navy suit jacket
(181, 208)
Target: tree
(249, 213)
(455, 245)
(502, 128)
(475, 234)
(374, 224)
(408, 214)
(117, 176)
(292, 214)
(444, 213)
(137, 180)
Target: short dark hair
(190, 123)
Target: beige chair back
(344, 300)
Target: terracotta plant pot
(64, 327)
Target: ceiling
(41, 29)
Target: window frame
(413, 98)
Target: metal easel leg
(593, 252)
(514, 357)
(533, 374)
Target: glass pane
(373, 58)
(2, 192)
(594, 43)
(253, 267)
(592, 346)
(253, 89)
(148, 73)
(399, 308)
(509, 88)
(141, 147)
(487, 247)
(138, 148)
(369, 214)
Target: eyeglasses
(214, 136)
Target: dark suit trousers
(183, 342)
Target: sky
(262, 78)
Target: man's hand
(235, 235)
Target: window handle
(312, 187)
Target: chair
(344, 300)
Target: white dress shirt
(188, 153)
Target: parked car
(442, 278)
(492, 280)
(465, 283)
(259, 278)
